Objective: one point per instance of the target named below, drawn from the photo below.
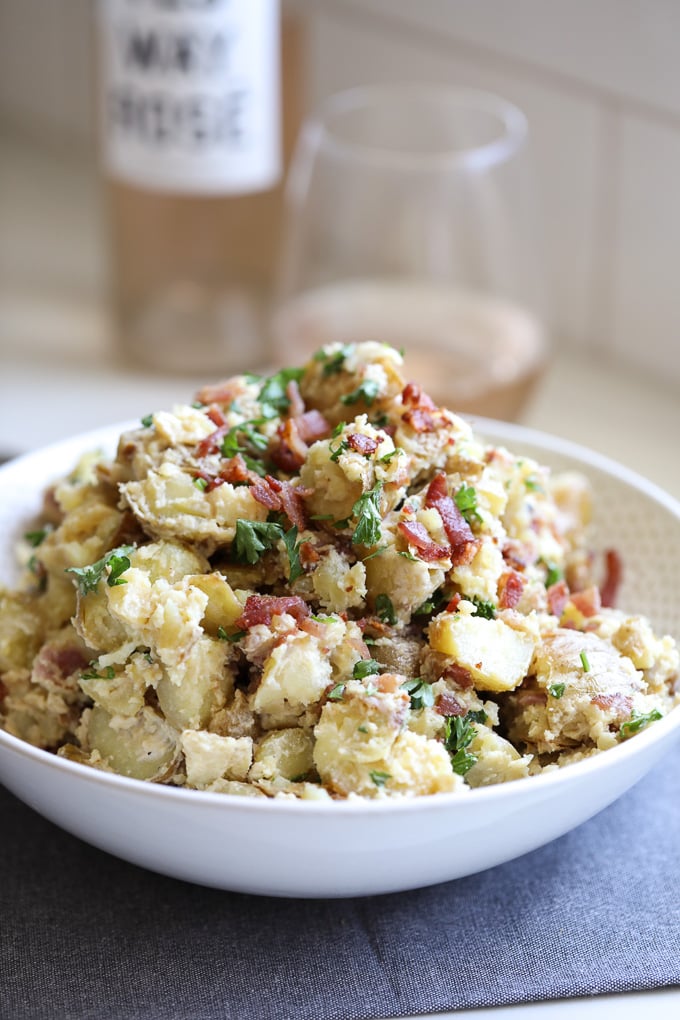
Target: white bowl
(295, 848)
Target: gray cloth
(83, 935)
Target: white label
(190, 93)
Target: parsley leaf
(36, 538)
(273, 395)
(638, 721)
(366, 391)
(556, 690)
(553, 575)
(333, 362)
(231, 638)
(420, 692)
(431, 605)
(108, 674)
(485, 609)
(584, 662)
(458, 735)
(367, 512)
(336, 693)
(117, 561)
(293, 550)
(253, 538)
(379, 778)
(364, 668)
(385, 609)
(147, 421)
(466, 501)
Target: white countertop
(59, 375)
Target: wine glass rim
(512, 121)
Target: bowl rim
(489, 429)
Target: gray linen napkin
(84, 935)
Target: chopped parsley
(387, 457)
(244, 437)
(420, 693)
(108, 674)
(385, 610)
(458, 735)
(366, 510)
(466, 501)
(584, 662)
(364, 668)
(147, 421)
(366, 391)
(201, 483)
(376, 552)
(273, 396)
(379, 778)
(36, 538)
(556, 690)
(253, 538)
(532, 485)
(485, 609)
(336, 693)
(343, 445)
(380, 421)
(638, 721)
(431, 605)
(112, 566)
(553, 575)
(232, 638)
(333, 363)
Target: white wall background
(598, 79)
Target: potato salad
(319, 584)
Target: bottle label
(190, 94)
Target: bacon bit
(213, 442)
(53, 666)
(412, 395)
(313, 628)
(297, 405)
(417, 534)
(262, 608)
(265, 495)
(527, 696)
(312, 426)
(459, 675)
(621, 703)
(453, 604)
(365, 445)
(587, 601)
(457, 529)
(292, 500)
(212, 481)
(510, 588)
(308, 554)
(448, 704)
(558, 596)
(235, 471)
(517, 554)
(216, 416)
(221, 393)
(613, 577)
(419, 420)
(290, 451)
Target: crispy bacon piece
(308, 554)
(216, 416)
(262, 608)
(558, 596)
(527, 696)
(265, 495)
(221, 393)
(290, 449)
(621, 703)
(613, 577)
(418, 406)
(312, 426)
(296, 407)
(292, 499)
(419, 420)
(587, 601)
(457, 529)
(510, 588)
(448, 704)
(417, 534)
(213, 442)
(458, 675)
(365, 445)
(54, 665)
(412, 395)
(452, 606)
(517, 554)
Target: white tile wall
(599, 79)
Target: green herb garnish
(379, 778)
(553, 575)
(466, 501)
(458, 735)
(385, 610)
(584, 662)
(364, 668)
(273, 396)
(485, 609)
(336, 693)
(253, 538)
(366, 391)
(112, 565)
(232, 638)
(108, 674)
(201, 483)
(420, 693)
(366, 510)
(333, 362)
(147, 421)
(293, 550)
(556, 690)
(36, 538)
(638, 721)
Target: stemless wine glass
(409, 220)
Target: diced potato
(144, 746)
(497, 656)
(192, 692)
(294, 676)
(287, 753)
(223, 608)
(210, 757)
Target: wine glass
(409, 219)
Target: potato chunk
(497, 656)
(209, 757)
